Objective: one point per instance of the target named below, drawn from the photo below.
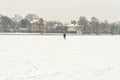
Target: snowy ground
(53, 58)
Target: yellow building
(74, 28)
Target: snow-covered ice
(53, 58)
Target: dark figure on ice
(64, 35)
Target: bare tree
(41, 25)
(31, 17)
(83, 22)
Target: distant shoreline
(54, 34)
(36, 34)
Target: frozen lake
(53, 58)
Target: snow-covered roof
(74, 25)
(34, 21)
(57, 25)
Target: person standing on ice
(64, 35)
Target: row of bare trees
(98, 28)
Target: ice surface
(53, 58)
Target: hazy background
(63, 10)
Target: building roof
(72, 25)
(35, 21)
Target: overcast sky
(63, 10)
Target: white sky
(63, 10)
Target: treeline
(98, 28)
(92, 27)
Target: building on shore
(73, 28)
(34, 25)
(37, 25)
